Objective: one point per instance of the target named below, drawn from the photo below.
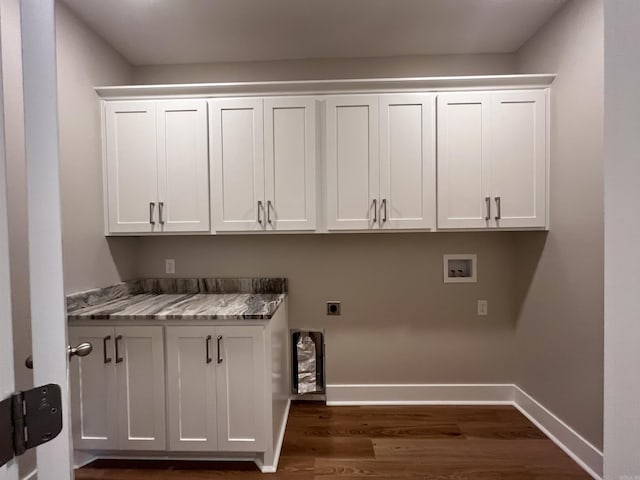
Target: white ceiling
(193, 31)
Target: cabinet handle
(151, 207)
(375, 210)
(498, 206)
(208, 354)
(488, 202)
(106, 358)
(160, 212)
(269, 206)
(384, 209)
(219, 350)
(259, 208)
(117, 342)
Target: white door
(139, 358)
(131, 166)
(290, 163)
(352, 179)
(237, 164)
(407, 161)
(183, 166)
(518, 158)
(464, 176)
(7, 385)
(191, 387)
(241, 389)
(48, 319)
(93, 390)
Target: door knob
(81, 350)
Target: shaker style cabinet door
(191, 387)
(290, 163)
(241, 389)
(518, 159)
(237, 164)
(352, 141)
(183, 166)
(94, 398)
(139, 359)
(131, 166)
(407, 161)
(464, 177)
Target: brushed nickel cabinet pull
(106, 358)
(488, 202)
(259, 208)
(151, 207)
(208, 353)
(161, 212)
(499, 207)
(375, 210)
(384, 209)
(269, 206)
(219, 350)
(119, 359)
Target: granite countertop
(180, 299)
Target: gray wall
(84, 60)
(329, 68)
(400, 323)
(622, 234)
(560, 277)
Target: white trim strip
(276, 456)
(570, 441)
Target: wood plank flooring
(383, 442)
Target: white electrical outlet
(483, 308)
(169, 265)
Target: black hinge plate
(29, 419)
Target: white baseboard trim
(31, 476)
(570, 441)
(278, 447)
(420, 394)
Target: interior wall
(84, 61)
(400, 323)
(560, 321)
(622, 233)
(329, 68)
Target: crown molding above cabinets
(418, 154)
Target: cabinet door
(93, 390)
(237, 174)
(518, 159)
(191, 388)
(241, 389)
(290, 163)
(352, 162)
(183, 166)
(407, 161)
(464, 135)
(140, 376)
(131, 167)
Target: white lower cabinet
(118, 390)
(216, 388)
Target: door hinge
(29, 419)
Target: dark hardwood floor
(421, 442)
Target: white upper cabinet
(263, 164)
(352, 162)
(380, 162)
(183, 166)
(237, 164)
(131, 166)
(492, 159)
(156, 166)
(518, 159)
(290, 163)
(407, 161)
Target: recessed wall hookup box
(460, 268)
